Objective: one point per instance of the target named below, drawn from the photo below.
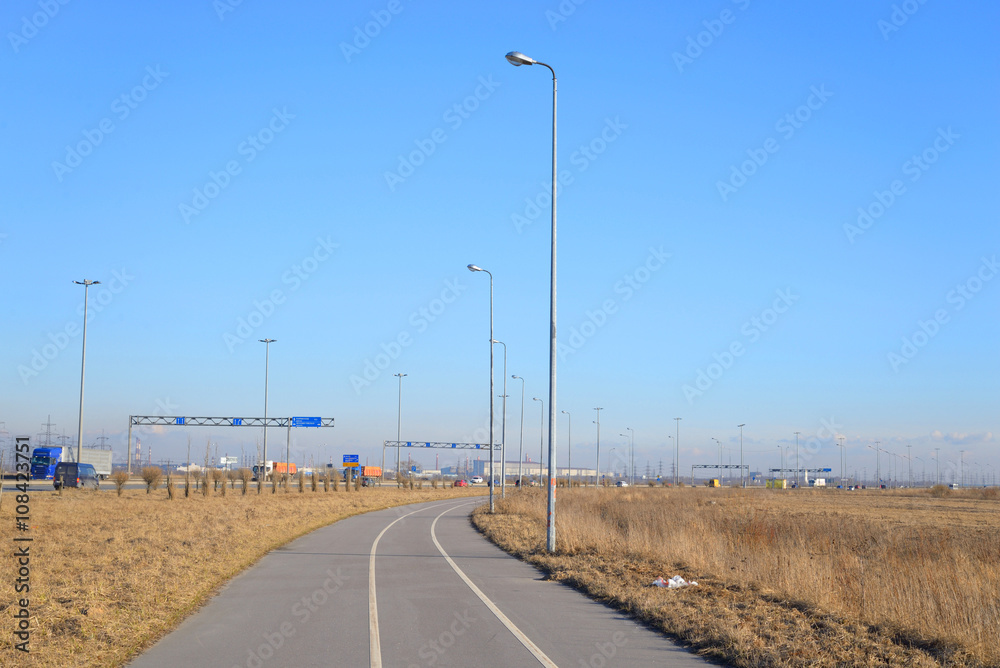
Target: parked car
(71, 474)
(461, 483)
(476, 479)
(621, 483)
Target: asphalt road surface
(409, 586)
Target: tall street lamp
(517, 59)
(520, 442)
(569, 449)
(541, 435)
(473, 267)
(631, 446)
(743, 482)
(86, 283)
(797, 458)
(503, 429)
(399, 420)
(677, 450)
(267, 360)
(597, 480)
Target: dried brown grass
(807, 578)
(110, 575)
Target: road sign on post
(306, 421)
(351, 461)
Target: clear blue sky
(202, 162)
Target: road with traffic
(409, 586)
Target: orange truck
(368, 474)
(275, 467)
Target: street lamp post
(631, 450)
(677, 450)
(719, 443)
(597, 478)
(541, 435)
(86, 283)
(473, 267)
(569, 450)
(843, 459)
(503, 429)
(399, 421)
(520, 443)
(797, 458)
(267, 361)
(743, 482)
(517, 59)
(937, 464)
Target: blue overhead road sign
(349, 459)
(306, 422)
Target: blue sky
(772, 214)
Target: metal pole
(520, 443)
(492, 466)
(597, 478)
(677, 453)
(569, 449)
(937, 464)
(399, 418)
(267, 361)
(128, 449)
(83, 364)
(797, 467)
(743, 482)
(550, 540)
(541, 436)
(631, 450)
(288, 456)
(503, 432)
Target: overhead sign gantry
(186, 421)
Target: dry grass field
(786, 578)
(109, 574)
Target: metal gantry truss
(720, 467)
(185, 421)
(440, 444)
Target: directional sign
(180, 420)
(237, 422)
(350, 461)
(306, 421)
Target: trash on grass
(674, 582)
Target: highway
(409, 586)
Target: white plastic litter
(674, 582)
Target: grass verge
(808, 578)
(110, 575)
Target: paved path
(409, 586)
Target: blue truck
(45, 458)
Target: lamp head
(473, 267)
(516, 58)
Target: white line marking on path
(530, 646)
(374, 645)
